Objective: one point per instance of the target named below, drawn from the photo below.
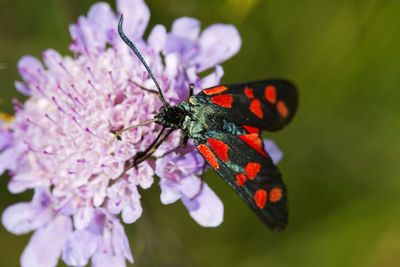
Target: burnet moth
(225, 122)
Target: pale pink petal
(191, 73)
(30, 69)
(172, 64)
(101, 15)
(83, 217)
(169, 193)
(80, 246)
(114, 247)
(79, 44)
(211, 79)
(106, 259)
(103, 20)
(21, 218)
(131, 213)
(217, 43)
(206, 209)
(6, 139)
(189, 186)
(120, 241)
(136, 16)
(23, 181)
(52, 60)
(273, 151)
(186, 48)
(8, 160)
(143, 176)
(22, 88)
(157, 38)
(133, 209)
(46, 243)
(186, 27)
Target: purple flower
(99, 236)
(179, 180)
(61, 145)
(50, 227)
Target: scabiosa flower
(61, 142)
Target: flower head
(61, 142)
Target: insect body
(225, 123)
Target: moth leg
(191, 87)
(185, 141)
(142, 156)
(202, 182)
(146, 89)
(116, 135)
(183, 144)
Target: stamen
(48, 117)
(76, 91)
(89, 131)
(75, 120)
(40, 90)
(89, 69)
(92, 85)
(17, 103)
(111, 77)
(48, 153)
(61, 89)
(64, 68)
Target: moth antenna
(137, 53)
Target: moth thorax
(171, 117)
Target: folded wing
(267, 105)
(242, 162)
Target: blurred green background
(341, 151)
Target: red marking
(282, 108)
(223, 100)
(249, 92)
(240, 179)
(260, 197)
(252, 169)
(275, 194)
(208, 155)
(220, 148)
(215, 90)
(254, 141)
(251, 129)
(255, 107)
(270, 93)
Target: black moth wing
(268, 104)
(234, 156)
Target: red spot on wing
(282, 108)
(255, 107)
(208, 155)
(223, 100)
(270, 93)
(260, 197)
(252, 169)
(219, 147)
(275, 194)
(215, 90)
(240, 179)
(251, 129)
(249, 92)
(254, 141)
